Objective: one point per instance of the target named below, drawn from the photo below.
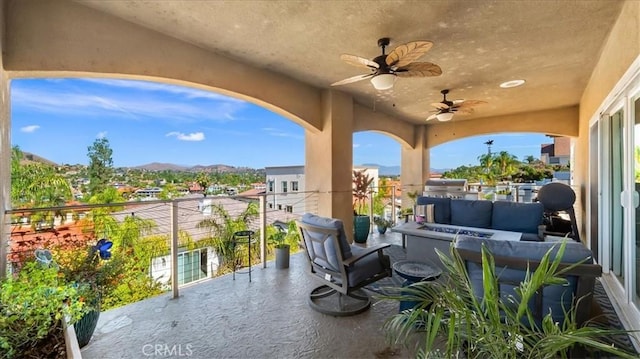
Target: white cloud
(356, 145)
(102, 134)
(91, 102)
(29, 129)
(195, 136)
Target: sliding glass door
(635, 243)
(616, 219)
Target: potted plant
(282, 249)
(94, 273)
(382, 224)
(361, 221)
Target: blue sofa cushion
(471, 213)
(555, 298)
(517, 217)
(441, 207)
(332, 261)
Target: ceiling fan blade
(358, 61)
(405, 54)
(440, 105)
(432, 117)
(352, 79)
(419, 69)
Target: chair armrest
(366, 252)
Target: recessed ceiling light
(512, 83)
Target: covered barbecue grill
(446, 188)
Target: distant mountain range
(30, 157)
(156, 166)
(159, 166)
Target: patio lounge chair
(342, 268)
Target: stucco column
(329, 159)
(414, 166)
(5, 154)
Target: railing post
(371, 209)
(263, 230)
(5, 227)
(174, 249)
(393, 204)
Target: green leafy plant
(222, 226)
(32, 306)
(413, 196)
(92, 270)
(455, 323)
(382, 222)
(361, 189)
(279, 239)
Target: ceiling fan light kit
(445, 109)
(386, 68)
(383, 81)
(444, 116)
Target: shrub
(32, 305)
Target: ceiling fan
(445, 108)
(398, 63)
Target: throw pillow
(425, 213)
(430, 214)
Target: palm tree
(203, 181)
(487, 162)
(507, 163)
(529, 159)
(222, 226)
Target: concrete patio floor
(223, 318)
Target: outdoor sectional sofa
(512, 237)
(498, 215)
(447, 218)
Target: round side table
(413, 272)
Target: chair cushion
(366, 267)
(441, 206)
(471, 213)
(555, 298)
(332, 223)
(517, 217)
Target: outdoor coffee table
(413, 272)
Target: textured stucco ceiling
(553, 45)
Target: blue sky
(150, 122)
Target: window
(294, 186)
(270, 205)
(192, 266)
(270, 184)
(280, 207)
(284, 186)
(289, 209)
